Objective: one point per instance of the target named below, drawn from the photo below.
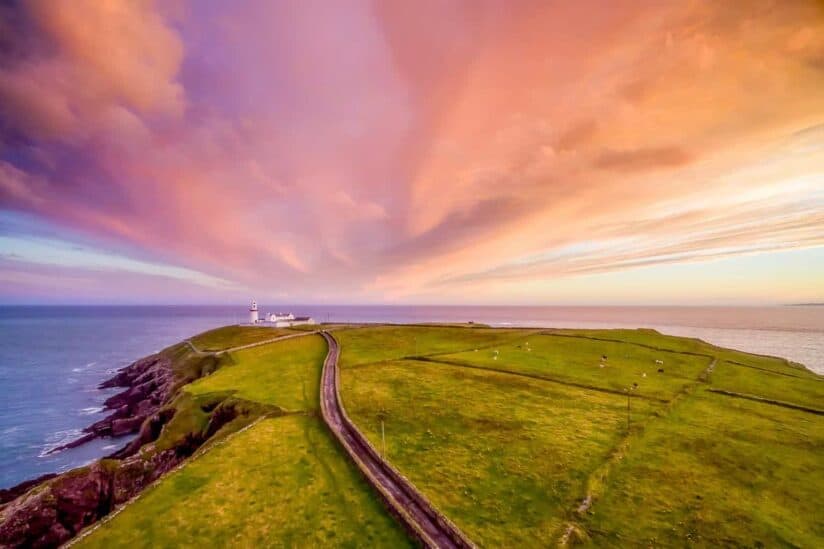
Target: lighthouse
(253, 313)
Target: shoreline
(52, 509)
(130, 407)
(146, 387)
(148, 402)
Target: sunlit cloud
(59, 253)
(385, 152)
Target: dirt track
(406, 503)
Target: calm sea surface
(53, 358)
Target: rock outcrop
(50, 510)
(55, 511)
(150, 382)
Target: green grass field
(503, 456)
(236, 336)
(772, 385)
(282, 374)
(372, 344)
(717, 472)
(282, 483)
(579, 361)
(507, 432)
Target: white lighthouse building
(276, 320)
(253, 313)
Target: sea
(52, 358)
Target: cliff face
(56, 510)
(48, 511)
(150, 382)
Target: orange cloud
(86, 58)
(391, 150)
(642, 159)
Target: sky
(466, 151)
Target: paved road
(406, 503)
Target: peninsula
(443, 435)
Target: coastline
(170, 426)
(148, 383)
(147, 386)
(78, 495)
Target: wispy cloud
(382, 151)
(59, 253)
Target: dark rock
(64, 505)
(75, 443)
(48, 511)
(58, 509)
(8, 494)
(144, 407)
(118, 400)
(127, 426)
(150, 383)
(126, 376)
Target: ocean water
(53, 358)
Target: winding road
(414, 511)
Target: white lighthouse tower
(253, 313)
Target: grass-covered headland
(522, 437)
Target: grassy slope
(578, 361)
(283, 482)
(284, 374)
(235, 336)
(654, 339)
(740, 379)
(718, 471)
(509, 458)
(373, 344)
(503, 456)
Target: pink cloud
(85, 59)
(642, 159)
(387, 150)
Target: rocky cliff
(171, 425)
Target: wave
(83, 368)
(58, 439)
(91, 410)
